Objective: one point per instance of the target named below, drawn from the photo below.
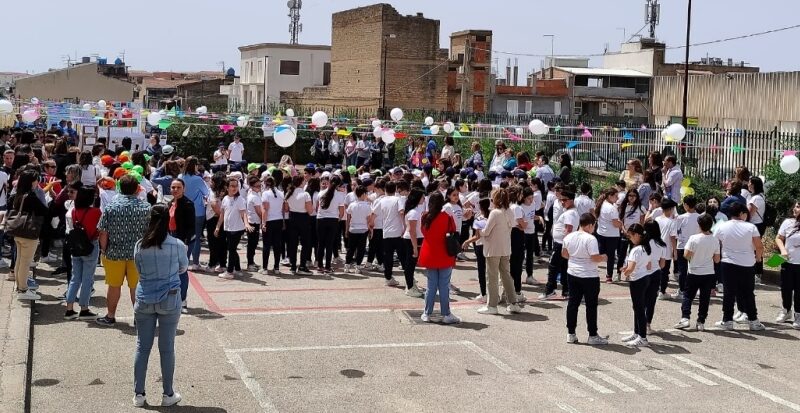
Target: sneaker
(487, 310)
(195, 267)
(597, 341)
(513, 309)
(219, 269)
(58, 271)
(184, 308)
(678, 296)
(701, 327)
(264, 271)
(796, 324)
(86, 315)
(609, 280)
(4, 264)
(391, 282)
(758, 280)
(451, 319)
(481, 299)
(684, 323)
(724, 325)
(530, 280)
(454, 289)
(71, 315)
(32, 284)
(252, 267)
(719, 288)
(572, 338)
(638, 342)
(414, 292)
(50, 259)
(170, 400)
(226, 275)
(425, 318)
(631, 337)
(543, 260)
(139, 400)
(337, 260)
(461, 256)
(285, 261)
(347, 268)
(662, 295)
(783, 316)
(618, 277)
(521, 297)
(547, 296)
(740, 318)
(756, 325)
(29, 295)
(105, 321)
(356, 269)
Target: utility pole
(686, 66)
(386, 38)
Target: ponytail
(603, 196)
(327, 198)
(297, 181)
(646, 237)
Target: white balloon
(676, 131)
(202, 110)
(153, 118)
(664, 133)
(396, 114)
(537, 127)
(388, 136)
(35, 101)
(87, 107)
(6, 106)
(378, 132)
(285, 136)
(519, 131)
(428, 121)
(162, 112)
(101, 104)
(30, 115)
(290, 112)
(376, 123)
(435, 130)
(319, 119)
(790, 164)
(241, 121)
(449, 127)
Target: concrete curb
(15, 330)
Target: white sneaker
(391, 282)
(29, 295)
(783, 316)
(724, 325)
(264, 271)
(219, 269)
(139, 400)
(461, 256)
(545, 296)
(348, 268)
(425, 317)
(414, 292)
(530, 280)
(719, 288)
(454, 289)
(684, 323)
(521, 298)
(572, 338)
(195, 267)
(50, 259)
(662, 296)
(740, 318)
(170, 400)
(513, 309)
(184, 308)
(451, 319)
(631, 337)
(796, 323)
(481, 299)
(597, 341)
(226, 275)
(487, 310)
(638, 342)
(758, 280)
(285, 261)
(678, 296)
(4, 264)
(253, 268)
(756, 325)
(701, 327)
(336, 260)
(356, 269)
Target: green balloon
(127, 165)
(435, 173)
(352, 169)
(138, 169)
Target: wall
(80, 82)
(759, 101)
(631, 57)
(541, 105)
(312, 62)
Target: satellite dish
(291, 4)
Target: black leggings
(390, 245)
(517, 255)
(299, 233)
(588, 288)
(651, 296)
(622, 252)
(273, 239)
(531, 248)
(790, 286)
(558, 265)
(739, 283)
(217, 249)
(327, 233)
(376, 247)
(638, 291)
(356, 246)
(233, 246)
(608, 246)
(665, 276)
(252, 243)
(411, 261)
(481, 268)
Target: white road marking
(664, 376)
(250, 382)
(687, 373)
(567, 408)
(608, 379)
(294, 312)
(585, 380)
(345, 347)
(741, 384)
(632, 377)
(505, 368)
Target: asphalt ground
(347, 343)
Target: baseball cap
(168, 149)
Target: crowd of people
(145, 214)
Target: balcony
(609, 93)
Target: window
(603, 109)
(512, 107)
(480, 38)
(260, 70)
(628, 109)
(577, 109)
(528, 107)
(557, 108)
(290, 67)
(326, 74)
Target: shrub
(783, 190)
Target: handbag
(78, 240)
(452, 239)
(23, 224)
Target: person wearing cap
(235, 150)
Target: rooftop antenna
(652, 16)
(122, 56)
(294, 20)
(67, 59)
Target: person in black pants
(298, 225)
(478, 224)
(566, 223)
(659, 250)
(581, 250)
(331, 210)
(636, 271)
(517, 240)
(701, 252)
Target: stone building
(469, 85)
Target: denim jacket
(159, 268)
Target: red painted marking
(303, 290)
(198, 287)
(344, 307)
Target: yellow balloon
(686, 182)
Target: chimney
(419, 14)
(86, 59)
(516, 71)
(508, 71)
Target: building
(7, 80)
(269, 69)
(89, 81)
(381, 59)
(545, 97)
(753, 101)
(469, 86)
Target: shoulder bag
(23, 224)
(452, 238)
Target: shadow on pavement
(661, 348)
(683, 338)
(185, 408)
(616, 348)
(526, 317)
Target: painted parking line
(632, 377)
(263, 399)
(608, 379)
(585, 380)
(692, 375)
(663, 376)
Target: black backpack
(78, 240)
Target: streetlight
(552, 51)
(624, 34)
(686, 66)
(386, 37)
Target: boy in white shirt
(686, 226)
(702, 251)
(357, 229)
(669, 234)
(584, 204)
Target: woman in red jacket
(434, 258)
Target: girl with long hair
(636, 271)
(197, 192)
(234, 222)
(85, 216)
(254, 215)
(26, 201)
(658, 260)
(357, 230)
(272, 224)
(313, 187)
(412, 237)
(608, 228)
(329, 212)
(517, 239)
(631, 212)
(217, 259)
(435, 258)
(478, 225)
(529, 209)
(788, 242)
(299, 206)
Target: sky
(184, 35)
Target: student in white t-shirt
(583, 203)
(608, 228)
(375, 251)
(654, 206)
(478, 225)
(582, 253)
(567, 222)
(412, 238)
(220, 157)
(741, 249)
(271, 224)
(788, 242)
(387, 209)
(235, 150)
(517, 239)
(669, 234)
(637, 269)
(357, 230)
(631, 212)
(298, 226)
(254, 214)
(685, 225)
(757, 207)
(658, 257)
(702, 251)
(329, 212)
(529, 208)
(234, 222)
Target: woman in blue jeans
(83, 215)
(195, 190)
(159, 259)
(433, 256)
